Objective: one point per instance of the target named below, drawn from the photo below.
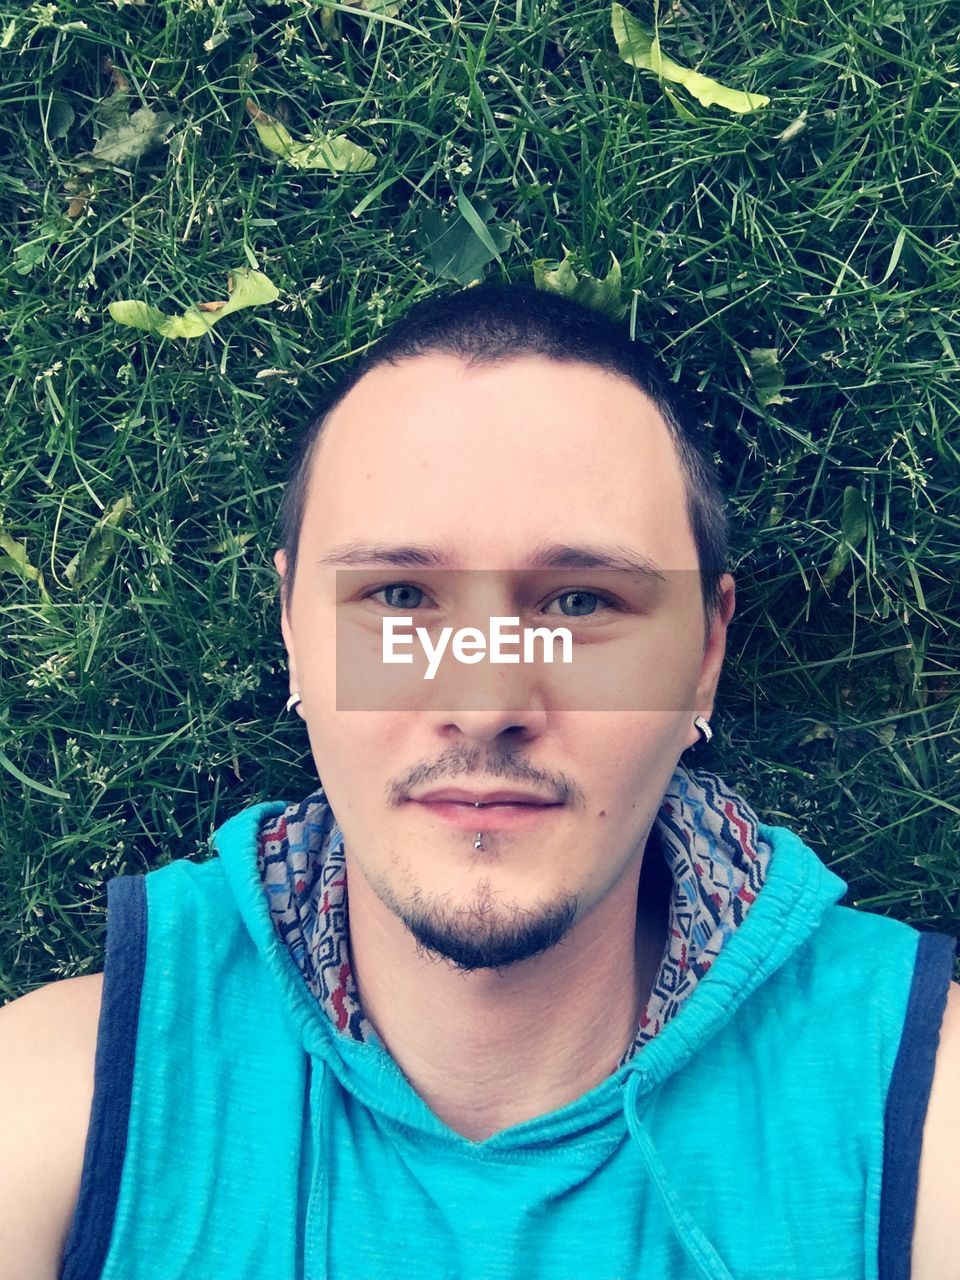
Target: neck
(487, 1050)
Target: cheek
(635, 747)
(676, 647)
(644, 760)
(344, 751)
(652, 669)
(314, 642)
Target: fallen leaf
(99, 545)
(332, 151)
(683, 112)
(854, 521)
(600, 295)
(478, 225)
(77, 204)
(16, 559)
(58, 117)
(248, 288)
(132, 137)
(453, 250)
(763, 365)
(389, 7)
(120, 82)
(793, 128)
(234, 542)
(641, 48)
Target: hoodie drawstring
(316, 1262)
(698, 1248)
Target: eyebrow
(554, 555)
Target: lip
(494, 817)
(505, 795)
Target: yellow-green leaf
(601, 295)
(854, 522)
(683, 112)
(765, 370)
(141, 315)
(390, 7)
(248, 288)
(99, 545)
(640, 48)
(331, 151)
(16, 560)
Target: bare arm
(47, 1051)
(936, 1238)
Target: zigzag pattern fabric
(709, 837)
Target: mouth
(497, 816)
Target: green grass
(147, 683)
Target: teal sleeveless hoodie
(770, 1130)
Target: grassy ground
(142, 683)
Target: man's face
(487, 466)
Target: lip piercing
(478, 843)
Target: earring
(293, 701)
(703, 725)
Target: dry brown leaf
(77, 204)
(120, 81)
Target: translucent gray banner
(562, 639)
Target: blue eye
(577, 594)
(397, 586)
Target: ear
(280, 563)
(714, 653)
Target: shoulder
(59, 1015)
(936, 1238)
(57, 1018)
(48, 1042)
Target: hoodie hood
(706, 835)
(745, 897)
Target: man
(582, 1013)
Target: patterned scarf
(707, 834)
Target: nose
(486, 727)
(489, 701)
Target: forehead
(492, 460)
